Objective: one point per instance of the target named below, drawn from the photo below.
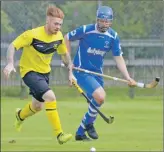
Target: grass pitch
(138, 125)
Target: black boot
(91, 131)
(82, 138)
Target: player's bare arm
(122, 67)
(10, 61)
(35, 69)
(68, 63)
(67, 60)
(68, 44)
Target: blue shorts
(38, 84)
(88, 82)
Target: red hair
(55, 12)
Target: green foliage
(78, 13)
(137, 19)
(17, 14)
(6, 27)
(26, 14)
(132, 19)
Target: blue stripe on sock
(87, 119)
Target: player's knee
(101, 99)
(38, 106)
(99, 96)
(49, 96)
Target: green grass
(138, 124)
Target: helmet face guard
(104, 18)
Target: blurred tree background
(132, 19)
(139, 23)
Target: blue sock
(88, 118)
(81, 129)
(91, 115)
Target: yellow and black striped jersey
(38, 49)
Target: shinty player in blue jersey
(95, 40)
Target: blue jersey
(93, 46)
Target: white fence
(143, 68)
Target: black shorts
(38, 84)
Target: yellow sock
(27, 111)
(53, 116)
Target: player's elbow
(66, 37)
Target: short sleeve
(62, 49)
(23, 40)
(76, 34)
(116, 46)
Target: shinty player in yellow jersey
(39, 45)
